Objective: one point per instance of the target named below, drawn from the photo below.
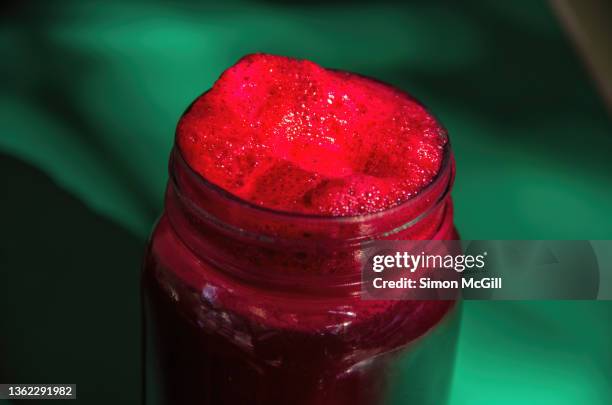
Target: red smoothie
(289, 135)
(281, 174)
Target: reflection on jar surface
(247, 305)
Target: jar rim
(445, 168)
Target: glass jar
(247, 305)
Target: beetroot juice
(280, 175)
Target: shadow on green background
(91, 92)
(69, 291)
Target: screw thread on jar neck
(292, 251)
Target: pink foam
(290, 135)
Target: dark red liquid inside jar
(281, 174)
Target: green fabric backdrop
(91, 92)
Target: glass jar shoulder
(246, 315)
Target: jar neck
(288, 251)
